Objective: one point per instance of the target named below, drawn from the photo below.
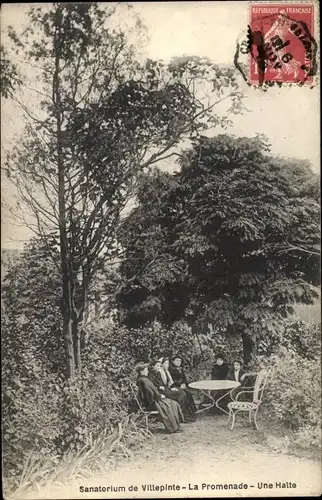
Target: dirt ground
(199, 461)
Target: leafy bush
(293, 395)
(31, 420)
(98, 455)
(304, 338)
(219, 340)
(154, 340)
(30, 293)
(308, 436)
(297, 336)
(47, 415)
(43, 414)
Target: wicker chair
(145, 413)
(251, 407)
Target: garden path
(206, 452)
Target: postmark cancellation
(278, 46)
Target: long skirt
(223, 403)
(190, 399)
(170, 414)
(186, 403)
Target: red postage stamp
(281, 47)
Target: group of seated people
(222, 371)
(235, 371)
(163, 386)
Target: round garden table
(207, 386)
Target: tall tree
(104, 117)
(235, 241)
(10, 79)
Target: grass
(95, 457)
(309, 313)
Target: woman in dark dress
(163, 381)
(220, 369)
(236, 372)
(179, 379)
(177, 372)
(247, 379)
(219, 372)
(169, 410)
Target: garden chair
(145, 413)
(251, 407)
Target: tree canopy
(231, 239)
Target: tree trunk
(86, 311)
(77, 315)
(248, 348)
(96, 308)
(69, 350)
(77, 345)
(196, 335)
(64, 264)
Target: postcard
(160, 250)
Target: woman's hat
(140, 366)
(153, 363)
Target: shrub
(304, 338)
(47, 415)
(298, 336)
(220, 341)
(95, 457)
(293, 395)
(50, 417)
(31, 320)
(154, 340)
(308, 436)
(31, 420)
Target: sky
(288, 116)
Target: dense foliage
(231, 239)
(46, 415)
(293, 396)
(154, 340)
(43, 414)
(31, 295)
(298, 336)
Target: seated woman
(237, 373)
(179, 378)
(163, 381)
(219, 372)
(220, 369)
(177, 372)
(169, 410)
